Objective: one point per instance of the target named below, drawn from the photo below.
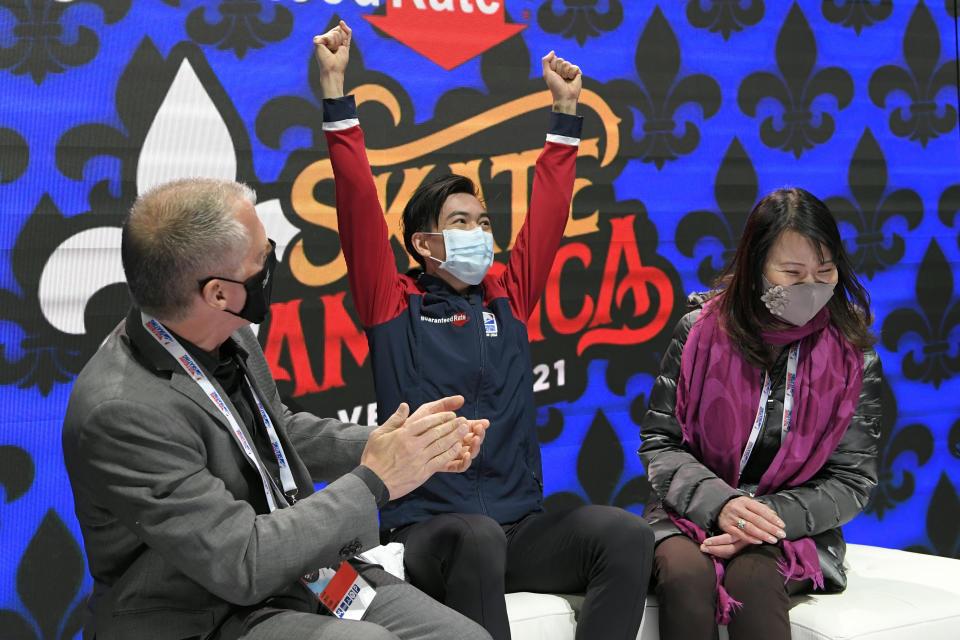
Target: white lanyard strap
(179, 353)
(286, 476)
(792, 361)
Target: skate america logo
(447, 32)
(277, 451)
(217, 400)
(607, 286)
(457, 319)
(159, 332)
(191, 367)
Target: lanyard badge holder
(343, 592)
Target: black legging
(468, 562)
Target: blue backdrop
(693, 111)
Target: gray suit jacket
(166, 497)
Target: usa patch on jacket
(490, 324)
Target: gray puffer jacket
(817, 508)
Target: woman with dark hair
(761, 434)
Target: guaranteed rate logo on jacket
(609, 295)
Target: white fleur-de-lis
(188, 137)
(82, 265)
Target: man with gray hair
(194, 484)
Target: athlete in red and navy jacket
(468, 536)
(426, 338)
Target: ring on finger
(741, 524)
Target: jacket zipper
(476, 411)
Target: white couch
(890, 595)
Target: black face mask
(258, 287)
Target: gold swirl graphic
(479, 122)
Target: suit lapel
(157, 356)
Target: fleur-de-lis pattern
(580, 19)
(680, 140)
(929, 86)
(240, 26)
(53, 551)
(41, 356)
(949, 206)
(875, 212)
(735, 190)
(943, 521)
(16, 472)
(797, 90)
(856, 14)
(604, 484)
(664, 93)
(896, 480)
(16, 157)
(953, 440)
(42, 40)
(724, 16)
(935, 359)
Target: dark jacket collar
(157, 356)
(438, 286)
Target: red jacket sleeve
(539, 237)
(379, 292)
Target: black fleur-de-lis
(240, 27)
(895, 482)
(552, 428)
(16, 472)
(49, 576)
(949, 206)
(922, 80)
(735, 189)
(16, 155)
(600, 470)
(953, 440)
(943, 521)
(662, 93)
(44, 356)
(895, 485)
(282, 113)
(856, 14)
(725, 16)
(580, 19)
(638, 407)
(39, 47)
(940, 316)
(877, 246)
(796, 90)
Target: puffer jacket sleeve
(841, 489)
(682, 483)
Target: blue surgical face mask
(469, 253)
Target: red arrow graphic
(451, 35)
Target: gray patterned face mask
(796, 303)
